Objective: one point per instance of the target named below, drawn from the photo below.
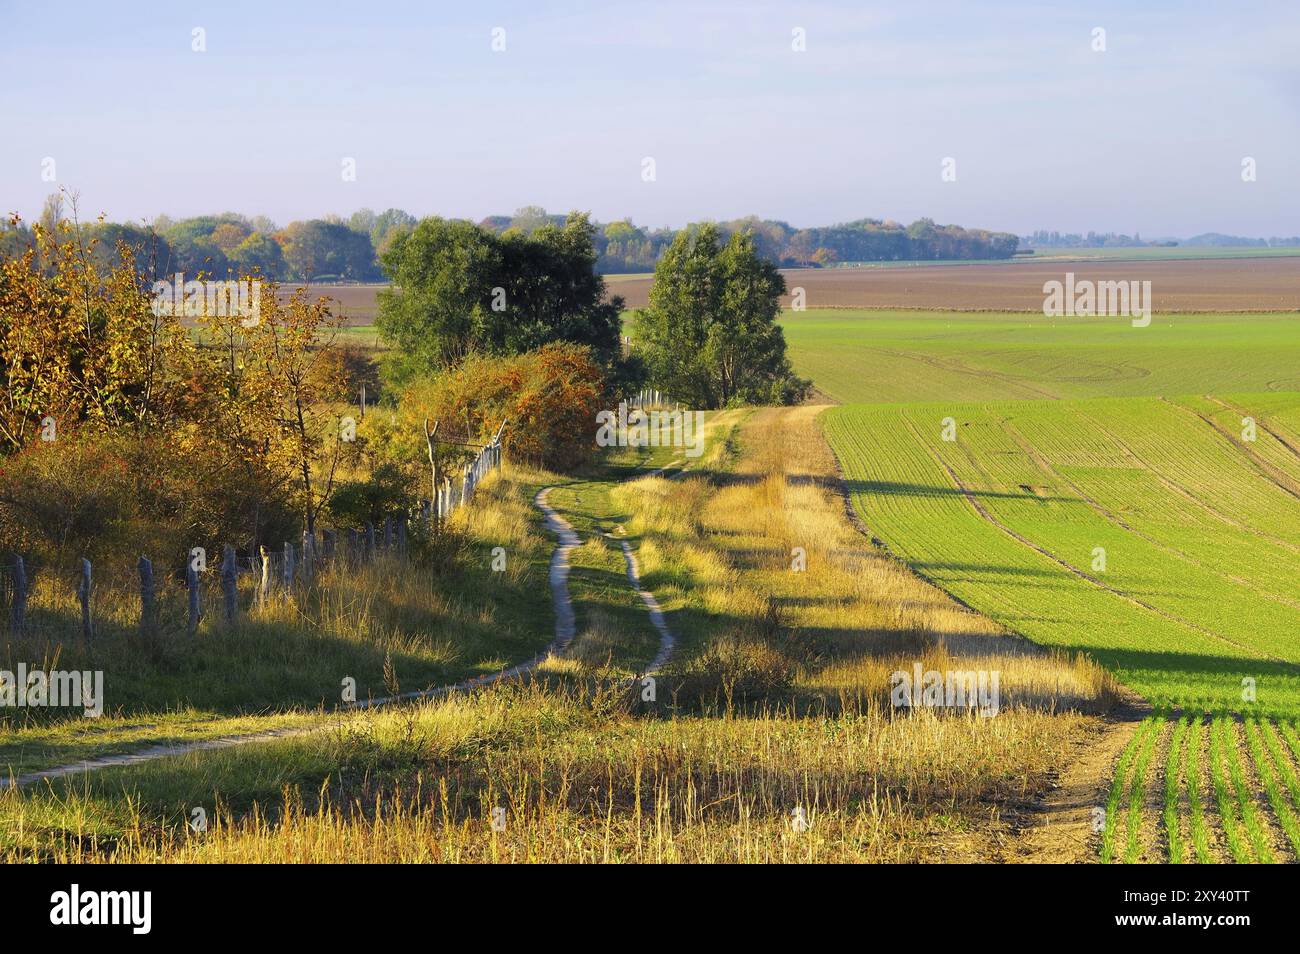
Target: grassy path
(225, 733)
(567, 540)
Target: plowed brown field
(1224, 285)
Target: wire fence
(177, 598)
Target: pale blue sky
(1147, 136)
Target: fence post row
(447, 497)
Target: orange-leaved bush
(549, 396)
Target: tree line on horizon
(1050, 239)
(333, 248)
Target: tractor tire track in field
(981, 374)
(1285, 440)
(1271, 472)
(1184, 493)
(1105, 513)
(986, 514)
(567, 539)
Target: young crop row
(1205, 790)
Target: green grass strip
(1227, 816)
(1273, 738)
(1137, 792)
(1193, 762)
(1116, 789)
(1289, 733)
(1245, 798)
(1269, 779)
(1172, 762)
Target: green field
(1100, 492)
(1201, 531)
(901, 356)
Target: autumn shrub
(386, 494)
(550, 398)
(113, 497)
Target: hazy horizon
(1147, 137)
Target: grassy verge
(390, 626)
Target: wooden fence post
(401, 536)
(83, 593)
(264, 587)
(388, 533)
(148, 603)
(308, 557)
(229, 583)
(327, 539)
(370, 541)
(353, 555)
(18, 609)
(195, 605)
(430, 437)
(288, 568)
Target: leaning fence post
(18, 609)
(83, 593)
(229, 582)
(148, 606)
(192, 585)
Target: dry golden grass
(578, 784)
(853, 615)
(799, 727)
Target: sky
(1148, 135)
